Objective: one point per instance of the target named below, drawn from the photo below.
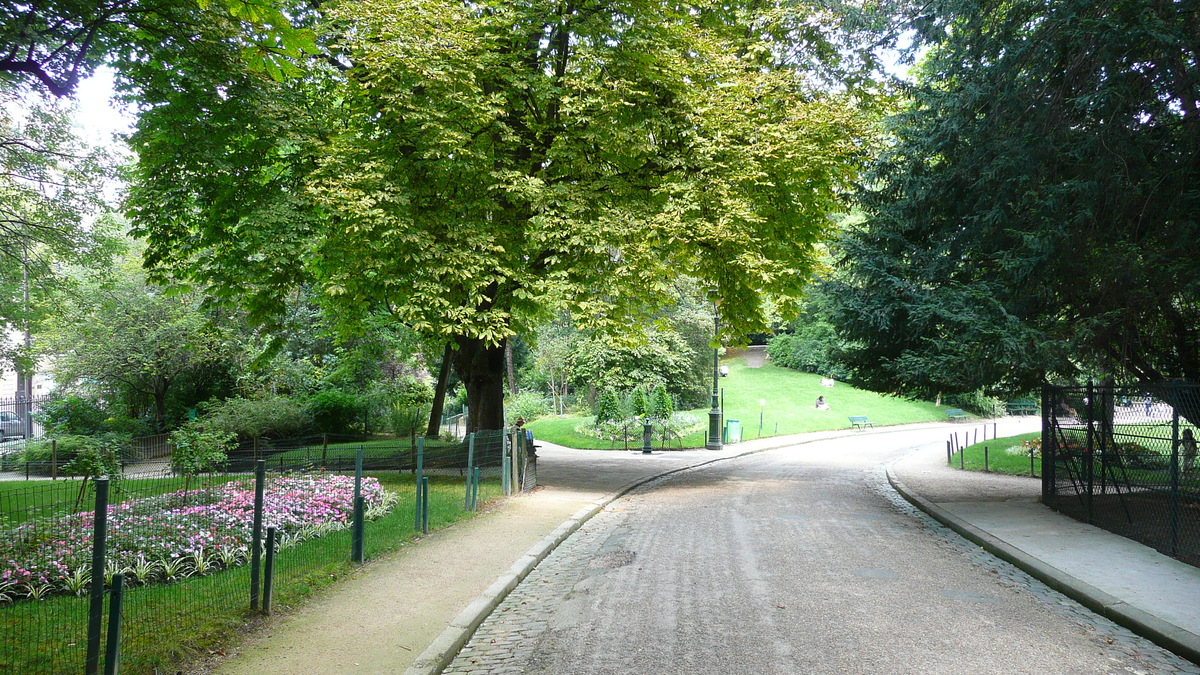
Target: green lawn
(788, 399)
(998, 459)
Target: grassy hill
(787, 407)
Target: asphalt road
(799, 560)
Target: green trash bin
(733, 431)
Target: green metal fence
(191, 555)
(1124, 458)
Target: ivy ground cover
(178, 534)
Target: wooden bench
(956, 414)
(1021, 408)
(860, 422)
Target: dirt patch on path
(754, 356)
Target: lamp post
(714, 415)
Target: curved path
(797, 560)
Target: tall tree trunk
(481, 369)
(439, 393)
(508, 367)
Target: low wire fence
(1124, 458)
(181, 560)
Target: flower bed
(179, 534)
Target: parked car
(11, 424)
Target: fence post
(53, 459)
(1174, 495)
(96, 587)
(269, 571)
(986, 465)
(504, 465)
(420, 471)
(356, 538)
(949, 455)
(475, 489)
(260, 478)
(1089, 463)
(424, 504)
(470, 470)
(112, 651)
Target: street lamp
(714, 415)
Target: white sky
(98, 116)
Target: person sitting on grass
(821, 404)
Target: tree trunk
(508, 367)
(481, 369)
(439, 393)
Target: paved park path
(797, 560)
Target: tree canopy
(1036, 214)
(469, 169)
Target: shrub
(661, 404)
(336, 412)
(976, 402)
(196, 450)
(639, 404)
(608, 407)
(277, 417)
(813, 348)
(528, 404)
(71, 414)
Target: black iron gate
(1124, 458)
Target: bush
(608, 407)
(661, 405)
(813, 348)
(71, 415)
(528, 404)
(277, 417)
(196, 449)
(336, 412)
(76, 455)
(977, 402)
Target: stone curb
(1161, 632)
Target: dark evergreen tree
(1036, 214)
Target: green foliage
(661, 404)
(528, 404)
(483, 181)
(134, 344)
(336, 412)
(608, 407)
(639, 404)
(977, 402)
(71, 414)
(1035, 215)
(663, 358)
(276, 417)
(814, 348)
(196, 449)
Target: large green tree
(468, 169)
(51, 214)
(1036, 215)
(125, 341)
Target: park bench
(860, 422)
(1021, 408)
(956, 414)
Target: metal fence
(1123, 458)
(17, 418)
(184, 559)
